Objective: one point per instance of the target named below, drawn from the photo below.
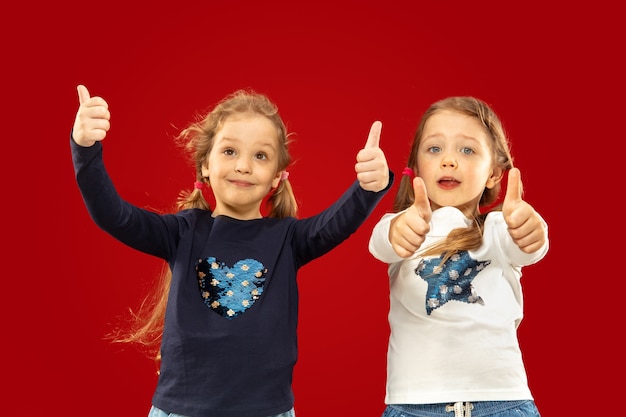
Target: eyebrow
(262, 145)
(439, 135)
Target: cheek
(209, 164)
(425, 168)
(481, 175)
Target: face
(455, 161)
(242, 166)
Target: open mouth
(448, 182)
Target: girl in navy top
(228, 317)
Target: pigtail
(458, 240)
(193, 199)
(405, 196)
(282, 203)
(145, 327)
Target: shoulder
(495, 219)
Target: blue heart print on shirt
(230, 291)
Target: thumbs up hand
(408, 230)
(92, 119)
(371, 167)
(525, 226)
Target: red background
(552, 71)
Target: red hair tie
(198, 185)
(408, 171)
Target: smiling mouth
(240, 183)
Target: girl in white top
(455, 264)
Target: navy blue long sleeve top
(229, 341)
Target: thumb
(374, 137)
(83, 94)
(421, 202)
(514, 186)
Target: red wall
(332, 68)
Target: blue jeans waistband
(478, 409)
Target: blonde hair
(197, 140)
(463, 238)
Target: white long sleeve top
(454, 328)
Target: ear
(276, 179)
(494, 178)
(205, 169)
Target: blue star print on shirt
(450, 281)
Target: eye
(467, 151)
(261, 155)
(229, 151)
(433, 149)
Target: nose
(448, 161)
(243, 166)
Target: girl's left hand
(525, 225)
(371, 167)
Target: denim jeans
(525, 408)
(155, 412)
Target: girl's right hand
(92, 119)
(408, 230)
